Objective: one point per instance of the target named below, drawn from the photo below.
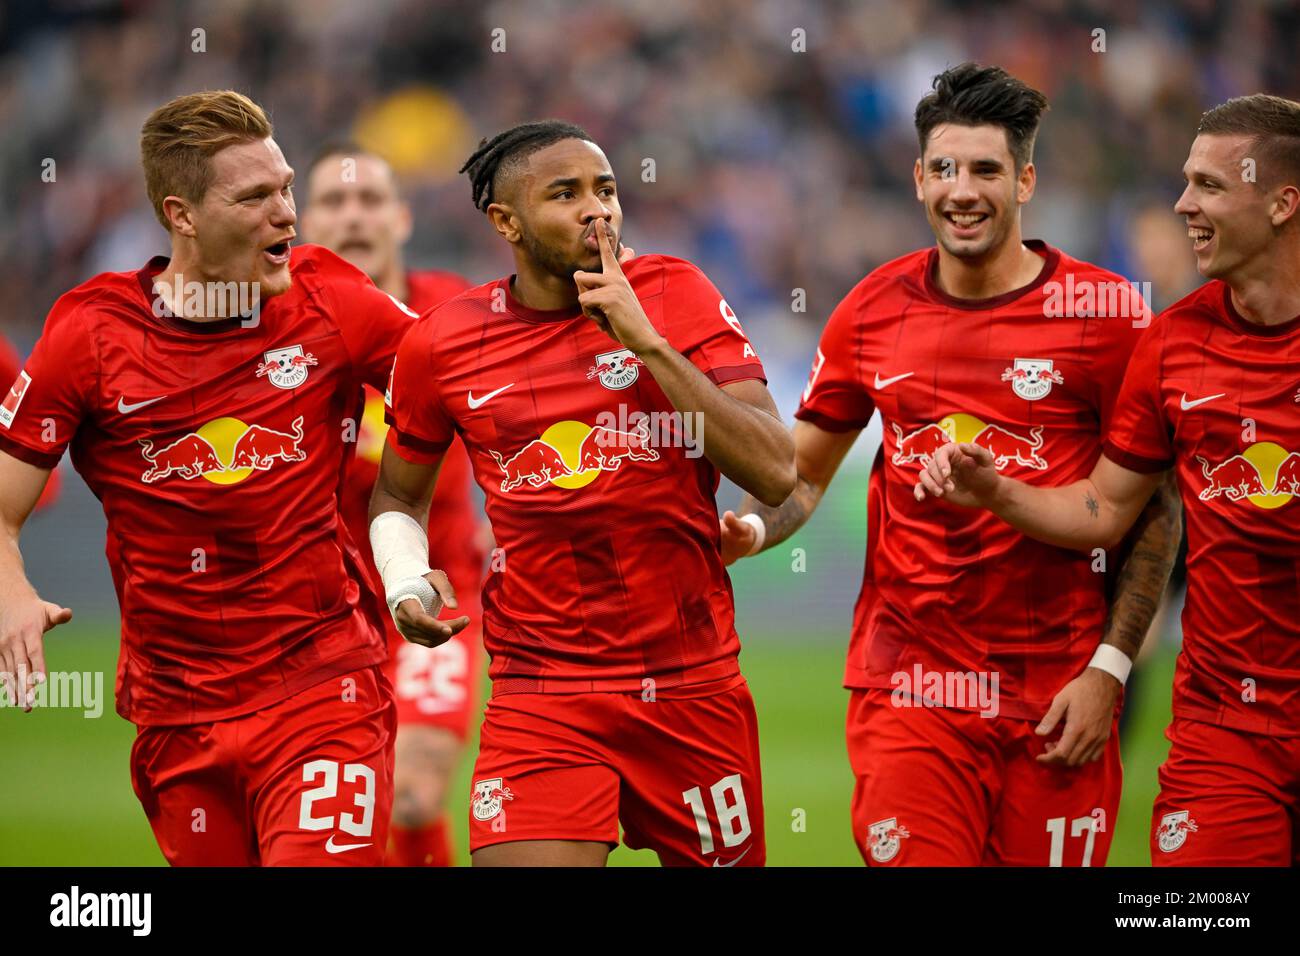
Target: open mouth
(1200, 236)
(278, 253)
(966, 221)
(354, 245)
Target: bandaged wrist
(401, 550)
(1113, 661)
(760, 532)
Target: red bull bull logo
(537, 463)
(571, 454)
(1265, 475)
(1007, 447)
(225, 451)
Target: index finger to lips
(605, 237)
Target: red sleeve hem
(825, 422)
(1138, 463)
(41, 459)
(736, 373)
(412, 448)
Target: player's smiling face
(353, 208)
(245, 222)
(1228, 216)
(972, 193)
(566, 190)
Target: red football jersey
(217, 451)
(10, 371)
(1028, 375)
(1217, 398)
(609, 571)
(452, 523)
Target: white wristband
(760, 532)
(1113, 661)
(401, 550)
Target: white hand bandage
(401, 550)
(760, 532)
(1113, 661)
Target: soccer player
(204, 399)
(353, 208)
(982, 663)
(599, 404)
(1213, 394)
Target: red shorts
(680, 774)
(305, 782)
(1227, 798)
(945, 787)
(437, 686)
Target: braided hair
(509, 149)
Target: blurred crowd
(780, 130)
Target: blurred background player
(200, 397)
(353, 207)
(616, 694)
(958, 340)
(1212, 394)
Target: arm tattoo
(1143, 577)
(789, 517)
(1092, 504)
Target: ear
(179, 214)
(1284, 206)
(404, 222)
(918, 176)
(505, 221)
(1025, 184)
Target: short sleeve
(1119, 337)
(704, 328)
(371, 321)
(420, 428)
(49, 397)
(835, 398)
(1139, 437)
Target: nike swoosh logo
(1200, 401)
(476, 402)
(884, 383)
(748, 848)
(332, 847)
(126, 409)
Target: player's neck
(1268, 292)
(393, 281)
(541, 290)
(1012, 266)
(175, 284)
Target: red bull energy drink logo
(1007, 447)
(225, 451)
(571, 454)
(1265, 475)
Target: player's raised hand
(737, 537)
(1088, 705)
(961, 472)
(607, 298)
(420, 625)
(24, 619)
